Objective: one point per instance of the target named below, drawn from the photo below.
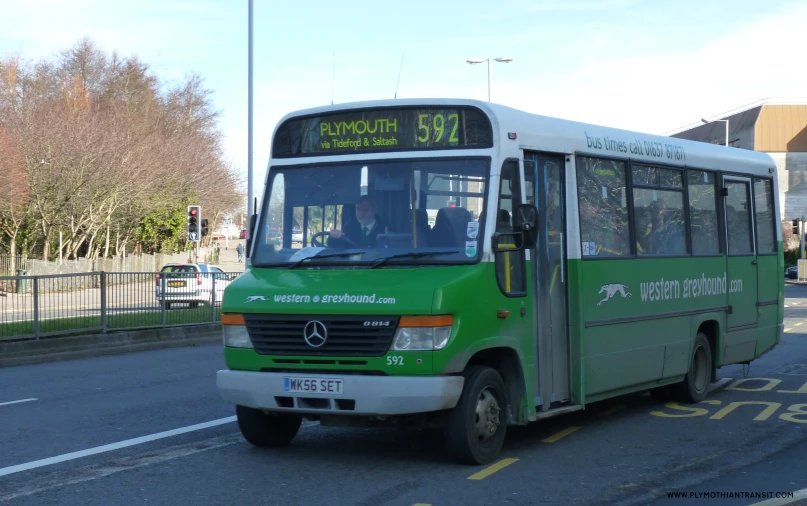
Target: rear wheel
(696, 383)
(167, 305)
(476, 427)
(267, 430)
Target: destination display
(390, 129)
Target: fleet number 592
(395, 360)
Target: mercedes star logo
(315, 333)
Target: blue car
(792, 272)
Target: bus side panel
(618, 356)
(770, 279)
(638, 315)
(576, 328)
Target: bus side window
(601, 189)
(703, 213)
(763, 206)
(510, 265)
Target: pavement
(150, 428)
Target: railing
(32, 307)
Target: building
(776, 127)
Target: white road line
(17, 402)
(114, 466)
(112, 446)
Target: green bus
(470, 266)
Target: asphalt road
(630, 450)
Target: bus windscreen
(378, 130)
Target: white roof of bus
(538, 132)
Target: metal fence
(40, 306)
(20, 262)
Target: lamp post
(501, 59)
(249, 115)
(727, 127)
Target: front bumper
(362, 395)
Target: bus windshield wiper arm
(412, 254)
(326, 255)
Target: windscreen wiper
(320, 254)
(412, 254)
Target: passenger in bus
(364, 230)
(666, 230)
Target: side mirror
(250, 233)
(509, 241)
(525, 220)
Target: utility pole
(801, 236)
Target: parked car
(190, 284)
(792, 272)
(297, 235)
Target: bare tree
(99, 147)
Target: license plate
(312, 385)
(176, 283)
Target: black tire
(695, 386)
(167, 306)
(193, 305)
(466, 433)
(264, 430)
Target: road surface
(150, 428)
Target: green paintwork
(621, 345)
(469, 293)
(742, 291)
(606, 358)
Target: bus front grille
(344, 335)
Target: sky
(646, 65)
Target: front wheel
(696, 383)
(261, 429)
(475, 428)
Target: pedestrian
(240, 250)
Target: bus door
(741, 268)
(544, 174)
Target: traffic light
(194, 212)
(796, 227)
(205, 231)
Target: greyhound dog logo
(253, 298)
(611, 290)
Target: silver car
(191, 284)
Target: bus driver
(363, 231)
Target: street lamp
(727, 127)
(501, 59)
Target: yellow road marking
(788, 330)
(612, 410)
(560, 435)
(498, 466)
(800, 323)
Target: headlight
(235, 331)
(423, 333)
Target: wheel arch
(506, 361)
